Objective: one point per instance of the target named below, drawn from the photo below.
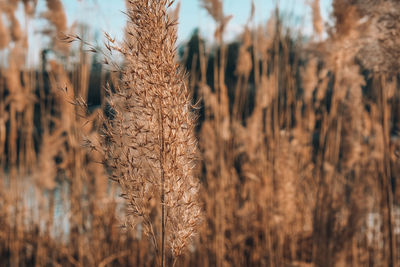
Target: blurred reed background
(298, 137)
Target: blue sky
(106, 15)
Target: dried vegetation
(293, 158)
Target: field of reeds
(275, 149)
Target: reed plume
(317, 19)
(4, 33)
(149, 135)
(58, 19)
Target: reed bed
(275, 149)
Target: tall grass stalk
(150, 133)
